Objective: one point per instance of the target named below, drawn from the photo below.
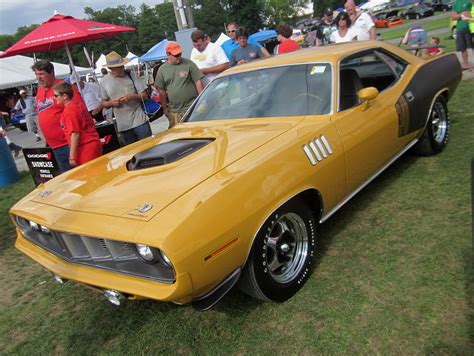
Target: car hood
(105, 186)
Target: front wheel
(435, 136)
(281, 257)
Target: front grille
(116, 256)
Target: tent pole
(73, 68)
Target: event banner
(42, 164)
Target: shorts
(463, 40)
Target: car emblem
(44, 193)
(145, 207)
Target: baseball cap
(174, 48)
(328, 12)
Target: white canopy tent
(222, 38)
(16, 71)
(133, 61)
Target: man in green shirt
(462, 13)
(179, 82)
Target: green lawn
(428, 26)
(394, 276)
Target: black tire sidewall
(272, 289)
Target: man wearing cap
(26, 105)
(179, 82)
(124, 93)
(362, 24)
(50, 111)
(209, 57)
(325, 28)
(232, 43)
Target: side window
(396, 64)
(367, 69)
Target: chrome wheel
(439, 122)
(286, 248)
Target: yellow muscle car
(236, 191)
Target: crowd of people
(65, 114)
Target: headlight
(34, 226)
(152, 255)
(147, 254)
(166, 260)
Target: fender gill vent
(317, 149)
(166, 153)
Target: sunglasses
(231, 31)
(57, 95)
(174, 55)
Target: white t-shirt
(91, 95)
(213, 55)
(337, 38)
(361, 27)
(29, 108)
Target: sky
(17, 13)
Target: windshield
(296, 90)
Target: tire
(417, 16)
(435, 136)
(454, 33)
(281, 257)
(407, 17)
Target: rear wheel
(280, 260)
(435, 136)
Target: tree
(246, 13)
(166, 20)
(210, 16)
(128, 41)
(7, 41)
(280, 11)
(320, 5)
(148, 27)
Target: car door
(369, 134)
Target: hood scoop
(166, 153)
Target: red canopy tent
(61, 31)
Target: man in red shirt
(49, 112)
(78, 127)
(284, 32)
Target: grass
(393, 276)
(428, 26)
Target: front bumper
(180, 291)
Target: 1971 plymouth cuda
(235, 192)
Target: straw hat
(114, 60)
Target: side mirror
(366, 95)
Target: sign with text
(42, 164)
